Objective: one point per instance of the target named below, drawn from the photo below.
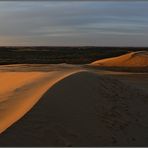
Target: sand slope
(19, 91)
(131, 60)
(83, 109)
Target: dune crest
(22, 91)
(130, 60)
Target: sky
(75, 23)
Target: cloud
(69, 23)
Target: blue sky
(74, 23)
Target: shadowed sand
(83, 109)
(134, 61)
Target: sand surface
(68, 105)
(19, 91)
(136, 61)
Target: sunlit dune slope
(19, 91)
(83, 109)
(130, 60)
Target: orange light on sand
(21, 90)
(133, 59)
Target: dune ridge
(22, 91)
(137, 60)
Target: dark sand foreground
(69, 105)
(86, 109)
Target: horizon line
(78, 46)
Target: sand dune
(131, 61)
(83, 109)
(19, 91)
